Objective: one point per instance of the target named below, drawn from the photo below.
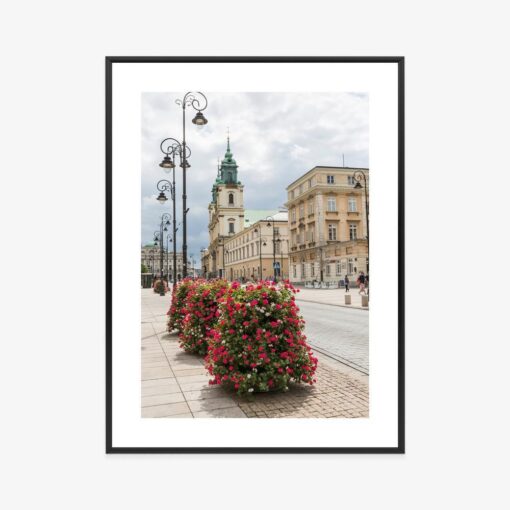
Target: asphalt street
(339, 332)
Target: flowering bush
(201, 315)
(178, 309)
(258, 343)
(160, 286)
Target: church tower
(226, 210)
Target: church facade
(228, 225)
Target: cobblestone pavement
(339, 332)
(174, 384)
(336, 394)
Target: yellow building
(327, 225)
(261, 249)
(240, 241)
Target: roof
(318, 167)
(251, 216)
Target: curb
(366, 308)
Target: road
(339, 332)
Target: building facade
(151, 258)
(327, 225)
(233, 251)
(259, 251)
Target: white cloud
(275, 138)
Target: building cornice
(320, 167)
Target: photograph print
(268, 318)
(255, 293)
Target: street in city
(176, 384)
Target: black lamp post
(168, 239)
(280, 244)
(199, 104)
(163, 186)
(270, 221)
(262, 242)
(159, 238)
(171, 147)
(359, 175)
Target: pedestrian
(361, 283)
(346, 281)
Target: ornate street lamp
(262, 242)
(270, 221)
(166, 186)
(159, 239)
(358, 176)
(199, 104)
(168, 239)
(280, 245)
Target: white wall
(52, 363)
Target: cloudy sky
(274, 137)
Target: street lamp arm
(358, 175)
(172, 148)
(190, 99)
(165, 185)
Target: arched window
(230, 199)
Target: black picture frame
(400, 448)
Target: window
(350, 266)
(303, 272)
(230, 199)
(312, 269)
(331, 204)
(328, 269)
(350, 180)
(352, 204)
(300, 189)
(338, 268)
(277, 248)
(230, 227)
(277, 231)
(294, 272)
(301, 210)
(330, 179)
(353, 231)
(310, 207)
(332, 232)
(309, 183)
(293, 214)
(291, 194)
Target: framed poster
(255, 254)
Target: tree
(145, 269)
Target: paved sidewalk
(175, 384)
(330, 297)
